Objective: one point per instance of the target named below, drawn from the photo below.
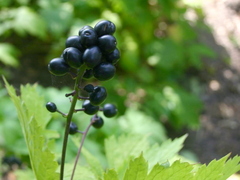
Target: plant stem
(69, 119)
(80, 149)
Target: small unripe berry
(98, 122)
(89, 108)
(73, 129)
(51, 107)
(109, 110)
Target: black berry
(97, 122)
(51, 107)
(89, 88)
(88, 38)
(84, 28)
(113, 57)
(104, 27)
(98, 95)
(73, 129)
(104, 71)
(92, 56)
(109, 110)
(107, 43)
(73, 57)
(89, 108)
(58, 67)
(74, 41)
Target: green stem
(69, 119)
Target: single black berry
(73, 129)
(104, 27)
(84, 28)
(88, 74)
(92, 56)
(98, 95)
(58, 67)
(113, 57)
(51, 107)
(109, 110)
(104, 71)
(89, 88)
(97, 122)
(88, 38)
(74, 41)
(73, 57)
(89, 108)
(107, 43)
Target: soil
(220, 121)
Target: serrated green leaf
(138, 169)
(94, 164)
(219, 169)
(165, 152)
(120, 151)
(42, 160)
(231, 166)
(111, 174)
(35, 104)
(177, 171)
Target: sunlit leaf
(111, 175)
(176, 171)
(42, 160)
(219, 169)
(26, 20)
(8, 54)
(137, 169)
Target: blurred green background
(157, 75)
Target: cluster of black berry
(94, 48)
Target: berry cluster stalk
(69, 118)
(80, 149)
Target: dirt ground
(220, 121)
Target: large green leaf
(111, 174)
(42, 160)
(119, 151)
(177, 171)
(35, 104)
(219, 169)
(165, 152)
(138, 169)
(216, 170)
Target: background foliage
(155, 81)
(159, 47)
